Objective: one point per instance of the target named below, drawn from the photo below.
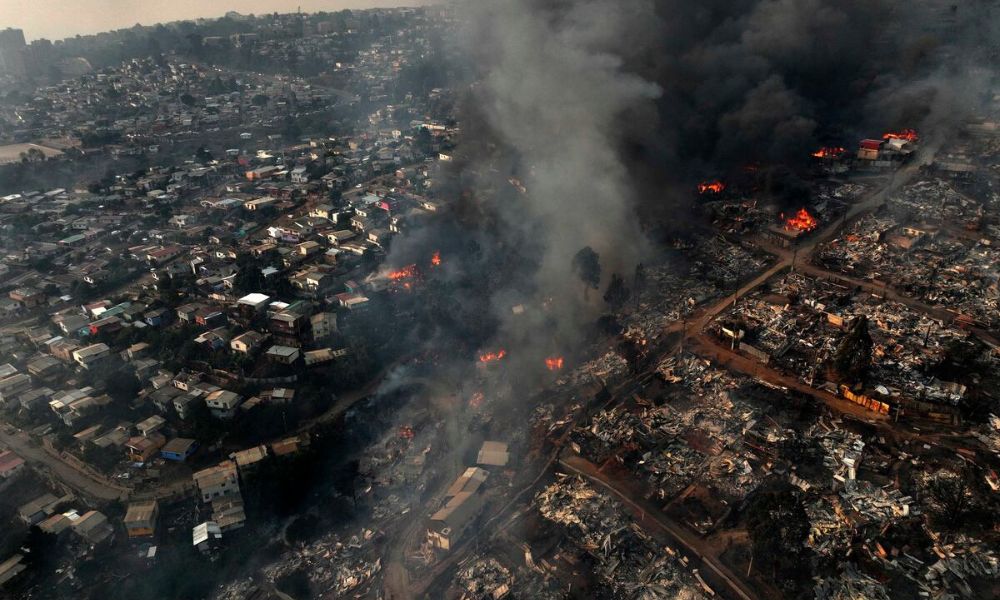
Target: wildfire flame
(713, 187)
(829, 152)
(492, 356)
(436, 259)
(802, 221)
(406, 272)
(476, 400)
(554, 363)
(904, 134)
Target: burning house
(790, 229)
(487, 358)
(713, 187)
(870, 149)
(830, 153)
(801, 221)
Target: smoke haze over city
(499, 299)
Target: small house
(179, 449)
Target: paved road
(78, 480)
(348, 399)
(647, 514)
(85, 483)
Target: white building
(223, 403)
(90, 355)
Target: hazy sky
(56, 19)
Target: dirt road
(703, 345)
(801, 255)
(798, 258)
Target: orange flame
(714, 187)
(436, 259)
(492, 356)
(406, 272)
(554, 363)
(909, 135)
(476, 400)
(829, 152)
(802, 221)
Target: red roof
(871, 144)
(9, 461)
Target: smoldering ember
(507, 299)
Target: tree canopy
(250, 277)
(854, 355)
(779, 526)
(587, 266)
(617, 293)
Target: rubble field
(930, 244)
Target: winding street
(76, 479)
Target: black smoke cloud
(611, 103)
(768, 81)
(605, 109)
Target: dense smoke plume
(590, 121)
(565, 130)
(615, 108)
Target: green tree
(951, 499)
(292, 129)
(639, 282)
(424, 142)
(32, 155)
(779, 526)
(617, 293)
(250, 277)
(854, 355)
(203, 154)
(587, 266)
(122, 385)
